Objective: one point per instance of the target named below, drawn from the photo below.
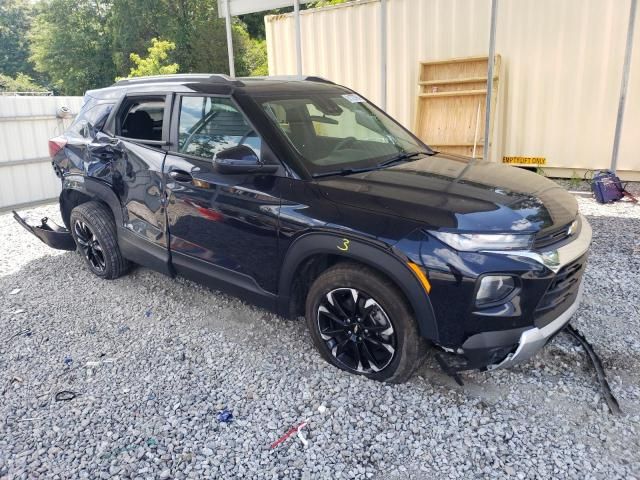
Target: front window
(335, 132)
(209, 125)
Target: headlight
(474, 242)
(494, 288)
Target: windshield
(336, 132)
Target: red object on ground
(290, 432)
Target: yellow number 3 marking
(345, 245)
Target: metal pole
(492, 50)
(232, 68)
(383, 54)
(475, 135)
(625, 82)
(296, 11)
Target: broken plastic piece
(612, 403)
(304, 441)
(290, 432)
(224, 416)
(48, 232)
(65, 395)
(450, 370)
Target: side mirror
(240, 159)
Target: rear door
(136, 141)
(223, 227)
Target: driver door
(222, 227)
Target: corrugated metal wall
(560, 79)
(26, 124)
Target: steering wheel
(344, 143)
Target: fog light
(494, 288)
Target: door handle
(181, 176)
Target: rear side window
(91, 118)
(209, 125)
(141, 118)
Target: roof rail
(309, 78)
(178, 77)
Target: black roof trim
(308, 78)
(180, 78)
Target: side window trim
(111, 125)
(175, 121)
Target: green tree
(156, 62)
(256, 58)
(14, 45)
(132, 25)
(21, 83)
(70, 42)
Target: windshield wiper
(401, 157)
(342, 171)
(348, 171)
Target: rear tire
(360, 322)
(94, 231)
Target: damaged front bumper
(533, 339)
(48, 232)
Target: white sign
(353, 98)
(240, 7)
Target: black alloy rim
(356, 330)
(91, 248)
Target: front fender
(377, 256)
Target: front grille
(561, 292)
(549, 238)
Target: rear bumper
(48, 232)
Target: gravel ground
(154, 359)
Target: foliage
(70, 43)
(21, 83)
(14, 45)
(156, 62)
(84, 44)
(256, 58)
(132, 26)
(326, 3)
(575, 180)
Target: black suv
(301, 196)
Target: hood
(449, 191)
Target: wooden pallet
(449, 94)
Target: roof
(212, 83)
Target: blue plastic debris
(224, 416)
(148, 313)
(68, 361)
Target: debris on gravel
(143, 365)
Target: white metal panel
(26, 124)
(560, 77)
(629, 153)
(241, 7)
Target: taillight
(55, 145)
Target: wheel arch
(331, 247)
(77, 189)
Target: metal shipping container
(562, 65)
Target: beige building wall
(560, 77)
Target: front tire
(360, 322)
(94, 231)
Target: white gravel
(155, 359)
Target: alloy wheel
(356, 330)
(89, 245)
